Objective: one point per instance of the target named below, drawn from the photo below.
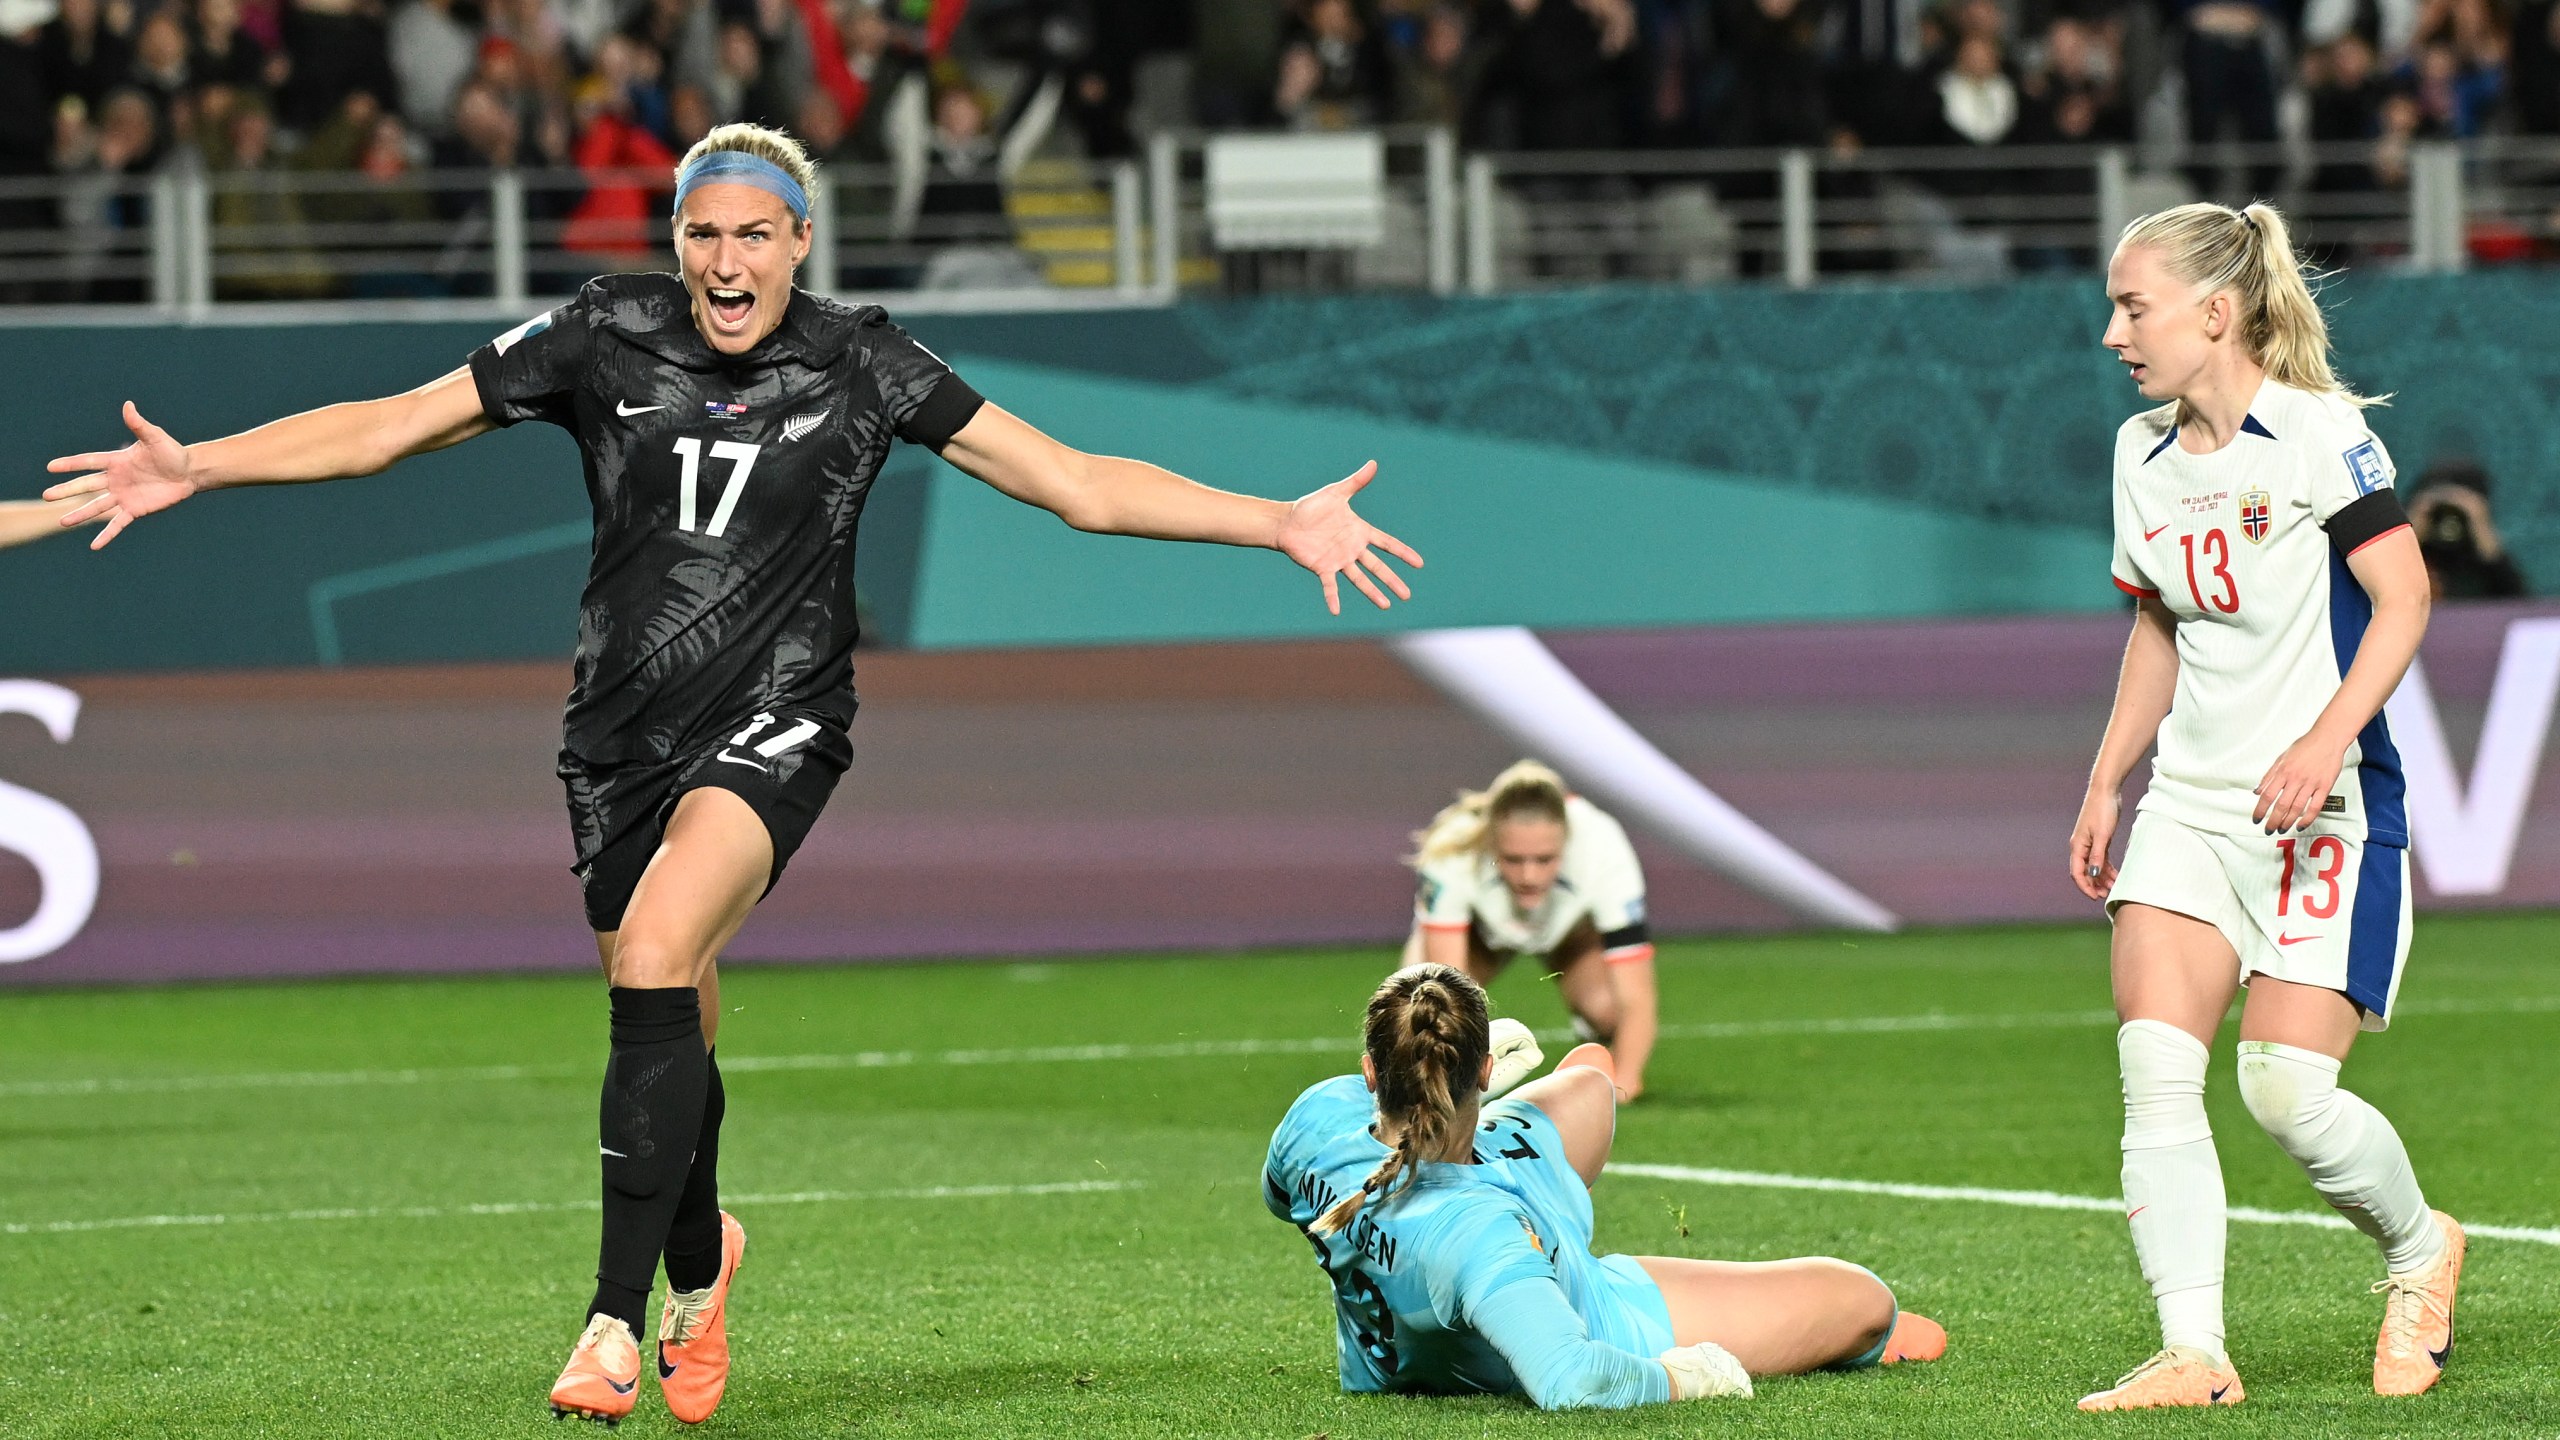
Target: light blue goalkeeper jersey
(1475, 1277)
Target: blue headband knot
(737, 167)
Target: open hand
(150, 474)
(1324, 534)
(2091, 835)
(2297, 785)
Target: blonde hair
(1527, 788)
(764, 143)
(2250, 253)
(1427, 1038)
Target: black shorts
(783, 765)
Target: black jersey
(726, 492)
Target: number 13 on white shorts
(2315, 909)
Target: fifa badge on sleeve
(2365, 463)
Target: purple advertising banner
(1060, 801)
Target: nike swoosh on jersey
(2153, 534)
(626, 409)
(616, 1154)
(740, 760)
(2294, 939)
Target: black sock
(651, 1114)
(693, 1241)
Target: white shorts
(2309, 909)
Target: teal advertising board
(1595, 459)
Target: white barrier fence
(1398, 209)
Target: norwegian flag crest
(2255, 511)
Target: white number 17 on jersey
(689, 450)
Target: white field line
(547, 1207)
(2021, 1199)
(1166, 1050)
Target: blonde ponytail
(1427, 1038)
(2250, 253)
(1527, 788)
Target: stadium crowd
(104, 90)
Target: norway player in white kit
(2280, 597)
(1527, 868)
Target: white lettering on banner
(2464, 839)
(45, 831)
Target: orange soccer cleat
(1915, 1338)
(602, 1379)
(693, 1335)
(2179, 1375)
(2417, 1319)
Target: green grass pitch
(1044, 1236)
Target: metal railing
(193, 244)
(1976, 213)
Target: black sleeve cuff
(484, 379)
(2364, 521)
(1627, 936)
(944, 413)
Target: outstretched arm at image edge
(1557, 1362)
(333, 442)
(25, 520)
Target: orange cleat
(1915, 1338)
(2179, 1375)
(693, 1335)
(2417, 1319)
(601, 1382)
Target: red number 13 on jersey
(2217, 554)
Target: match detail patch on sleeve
(2364, 463)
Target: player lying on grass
(731, 427)
(1524, 868)
(1457, 1235)
(25, 520)
(2280, 595)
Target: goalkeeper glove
(1516, 1056)
(1705, 1371)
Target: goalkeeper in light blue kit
(1456, 1232)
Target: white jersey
(2248, 547)
(1599, 881)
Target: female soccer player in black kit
(731, 427)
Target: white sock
(2353, 1156)
(2173, 1181)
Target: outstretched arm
(1130, 497)
(25, 520)
(333, 442)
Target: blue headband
(737, 167)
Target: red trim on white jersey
(2135, 590)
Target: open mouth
(729, 308)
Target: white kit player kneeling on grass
(1525, 867)
(1455, 1229)
(2279, 595)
